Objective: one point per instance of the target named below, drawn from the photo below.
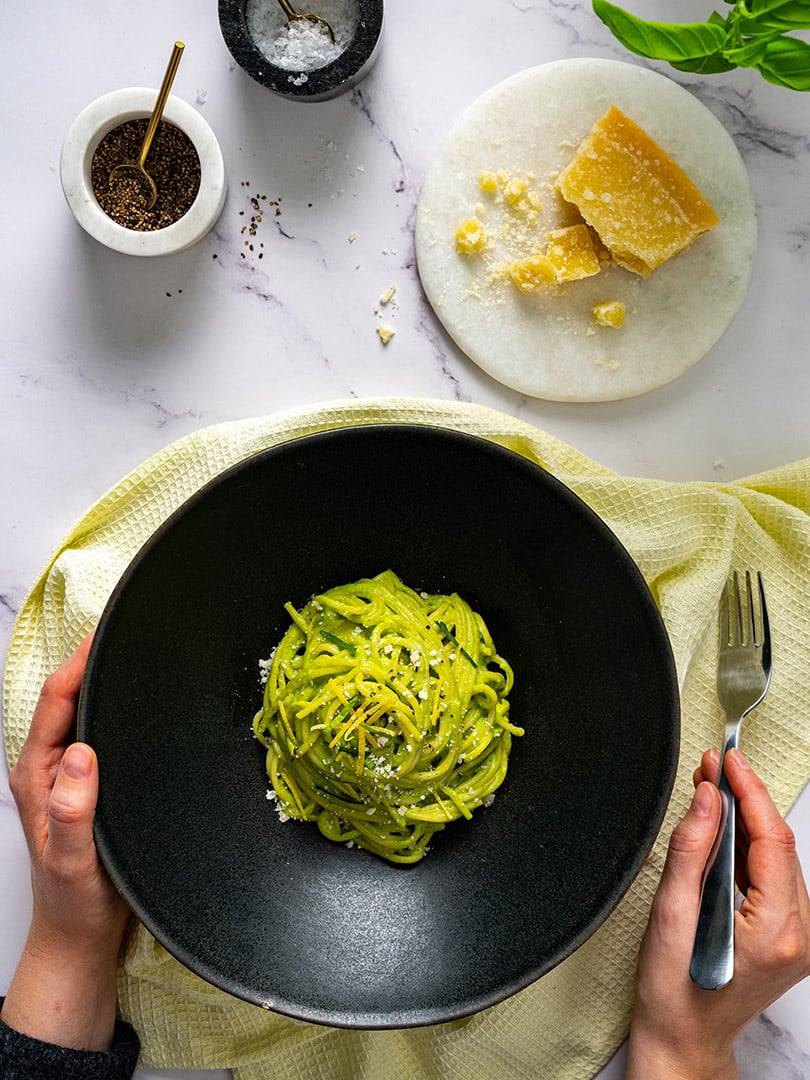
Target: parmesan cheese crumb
(514, 189)
(470, 237)
(385, 333)
(488, 181)
(532, 272)
(610, 313)
(272, 797)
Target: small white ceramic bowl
(87, 131)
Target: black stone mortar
(322, 83)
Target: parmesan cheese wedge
(641, 203)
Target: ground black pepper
(172, 163)
(251, 229)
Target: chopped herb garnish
(344, 711)
(339, 642)
(445, 629)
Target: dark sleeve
(23, 1058)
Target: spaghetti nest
(385, 715)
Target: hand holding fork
(743, 675)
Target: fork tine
(766, 626)
(724, 628)
(754, 630)
(737, 617)
(751, 618)
(744, 628)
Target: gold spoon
(292, 15)
(140, 163)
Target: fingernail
(77, 761)
(740, 758)
(703, 798)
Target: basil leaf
(708, 65)
(765, 25)
(753, 34)
(786, 63)
(673, 42)
(775, 15)
(752, 50)
(704, 65)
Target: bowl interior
(274, 913)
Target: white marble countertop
(106, 358)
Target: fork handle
(713, 954)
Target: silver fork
(743, 675)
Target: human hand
(680, 1030)
(64, 988)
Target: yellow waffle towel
(685, 537)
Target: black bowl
(320, 84)
(274, 913)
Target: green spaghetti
(385, 716)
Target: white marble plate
(546, 344)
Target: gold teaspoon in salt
(140, 163)
(292, 15)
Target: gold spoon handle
(160, 104)
(289, 11)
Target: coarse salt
(300, 45)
